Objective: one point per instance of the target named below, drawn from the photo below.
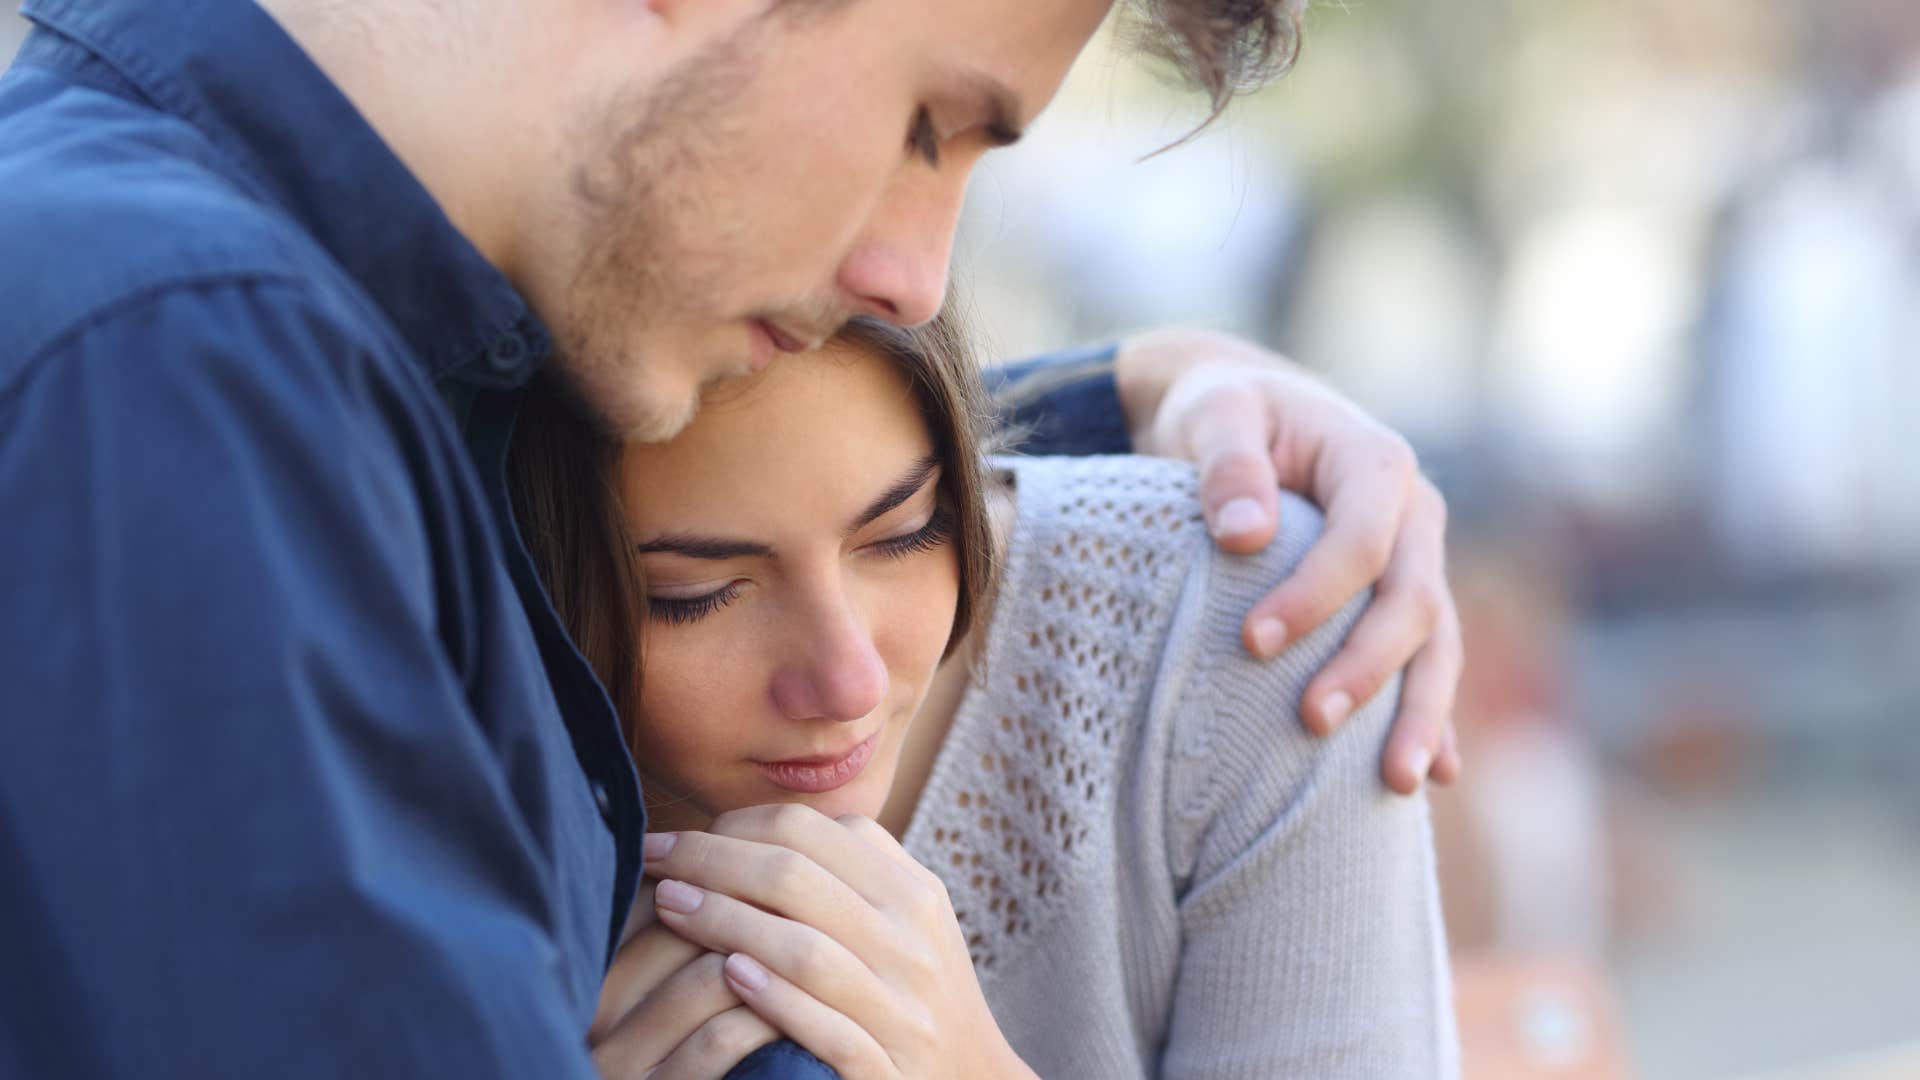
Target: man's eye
(921, 138)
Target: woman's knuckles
(730, 1036)
(789, 874)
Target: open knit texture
(1158, 870)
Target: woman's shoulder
(1140, 519)
(1230, 724)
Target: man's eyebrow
(903, 489)
(1004, 108)
(703, 547)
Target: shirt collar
(227, 67)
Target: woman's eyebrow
(903, 489)
(718, 548)
(703, 547)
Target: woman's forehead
(836, 420)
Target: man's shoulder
(109, 202)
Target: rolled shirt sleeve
(1062, 403)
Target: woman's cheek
(922, 608)
(688, 715)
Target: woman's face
(802, 587)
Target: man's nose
(897, 271)
(836, 673)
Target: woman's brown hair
(563, 475)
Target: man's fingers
(1446, 768)
(829, 1035)
(1229, 432)
(1408, 605)
(1348, 558)
(1241, 502)
(1424, 725)
(680, 1005)
(718, 1045)
(1393, 628)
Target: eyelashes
(677, 611)
(680, 611)
(937, 531)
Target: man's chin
(652, 422)
(645, 418)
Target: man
(300, 775)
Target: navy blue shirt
(299, 774)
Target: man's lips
(767, 340)
(825, 773)
(782, 340)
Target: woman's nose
(837, 673)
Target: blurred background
(1641, 281)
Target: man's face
(806, 165)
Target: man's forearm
(1062, 403)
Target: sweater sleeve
(1312, 941)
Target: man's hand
(1255, 422)
(666, 1009)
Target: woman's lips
(815, 775)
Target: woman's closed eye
(680, 610)
(937, 531)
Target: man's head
(684, 188)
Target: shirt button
(507, 354)
(604, 801)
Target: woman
(1139, 865)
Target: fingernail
(1334, 709)
(1238, 516)
(658, 845)
(1269, 637)
(678, 897)
(744, 970)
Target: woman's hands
(667, 1011)
(837, 937)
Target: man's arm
(249, 825)
(1062, 403)
(1255, 423)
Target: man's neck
(448, 128)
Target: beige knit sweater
(1160, 872)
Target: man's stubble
(644, 259)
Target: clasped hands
(777, 921)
